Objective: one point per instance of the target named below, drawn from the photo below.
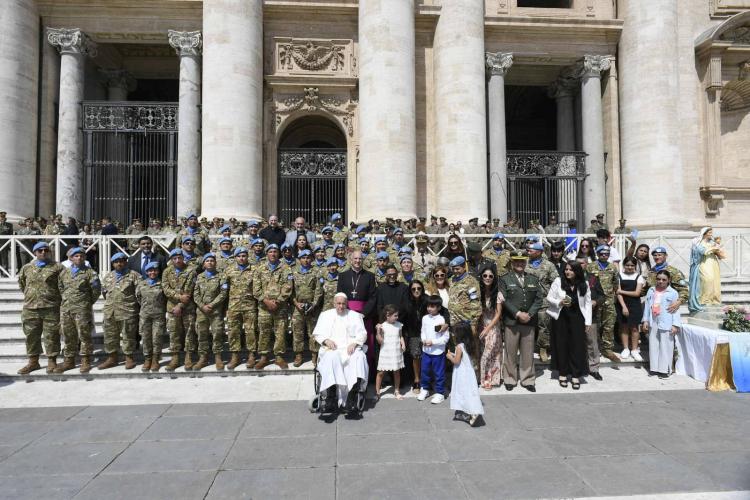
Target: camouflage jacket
(202, 242)
(416, 274)
(223, 262)
(501, 259)
(240, 283)
(546, 272)
(175, 284)
(464, 302)
(328, 286)
(119, 294)
(211, 291)
(608, 277)
(276, 284)
(39, 285)
(151, 298)
(79, 291)
(307, 287)
(679, 283)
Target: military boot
(85, 364)
(33, 364)
(155, 364)
(202, 362)
(250, 361)
(174, 362)
(108, 363)
(543, 356)
(262, 362)
(146, 365)
(297, 360)
(281, 363)
(129, 362)
(68, 364)
(51, 364)
(233, 361)
(219, 362)
(188, 361)
(315, 359)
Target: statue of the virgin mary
(705, 277)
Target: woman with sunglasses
(586, 250)
(438, 284)
(455, 248)
(490, 337)
(416, 308)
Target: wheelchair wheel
(317, 380)
(314, 404)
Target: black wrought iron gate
(312, 184)
(130, 160)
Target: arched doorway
(312, 170)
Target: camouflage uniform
(340, 235)
(464, 303)
(223, 261)
(501, 259)
(6, 229)
(152, 324)
(329, 286)
(202, 242)
(242, 310)
(181, 328)
(546, 273)
(79, 293)
(307, 291)
(379, 276)
(41, 307)
(415, 275)
(609, 278)
(274, 284)
(679, 283)
(210, 291)
(120, 311)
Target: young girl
(629, 308)
(392, 347)
(464, 391)
(663, 325)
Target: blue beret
(209, 255)
(272, 246)
(191, 216)
(398, 230)
(405, 257)
(225, 227)
(458, 261)
(336, 216)
(405, 249)
(537, 246)
(187, 238)
(331, 260)
(225, 240)
(40, 245)
(381, 255)
(257, 241)
(655, 250)
(304, 253)
(176, 252)
(120, 256)
(239, 250)
(74, 251)
(338, 245)
(152, 265)
(361, 228)
(363, 240)
(252, 222)
(380, 238)
(284, 246)
(602, 248)
(498, 236)
(319, 247)
(532, 238)
(327, 229)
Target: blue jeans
(433, 364)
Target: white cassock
(337, 366)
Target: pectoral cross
(354, 294)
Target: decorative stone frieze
(305, 56)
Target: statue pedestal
(709, 317)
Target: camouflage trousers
(301, 323)
(41, 323)
(152, 328)
(76, 327)
(181, 331)
(239, 320)
(542, 340)
(606, 316)
(272, 328)
(120, 333)
(210, 326)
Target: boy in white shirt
(434, 338)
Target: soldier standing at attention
(6, 229)
(242, 311)
(273, 284)
(120, 312)
(41, 308)
(498, 254)
(210, 296)
(308, 292)
(340, 233)
(178, 283)
(152, 323)
(463, 294)
(546, 272)
(523, 299)
(608, 277)
(225, 255)
(622, 228)
(553, 228)
(200, 236)
(80, 289)
(329, 282)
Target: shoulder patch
(225, 286)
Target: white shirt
(428, 333)
(443, 292)
(639, 280)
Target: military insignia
(225, 286)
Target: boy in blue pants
(434, 338)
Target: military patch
(225, 286)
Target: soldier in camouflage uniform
(306, 299)
(152, 322)
(382, 260)
(178, 282)
(498, 254)
(287, 256)
(27, 229)
(40, 316)
(225, 254)
(120, 312)
(364, 248)
(622, 228)
(340, 233)
(553, 228)
(210, 295)
(408, 273)
(679, 283)
(202, 242)
(80, 289)
(609, 278)
(273, 284)
(546, 273)
(339, 253)
(464, 302)
(329, 283)
(319, 261)
(242, 309)
(258, 255)
(328, 242)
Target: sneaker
(625, 354)
(636, 356)
(437, 399)
(422, 395)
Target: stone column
(595, 189)
(188, 46)
(387, 118)
(498, 64)
(460, 111)
(564, 92)
(119, 83)
(19, 80)
(232, 172)
(74, 46)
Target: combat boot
(108, 363)
(202, 362)
(543, 356)
(51, 364)
(233, 361)
(129, 362)
(219, 362)
(281, 363)
(250, 361)
(85, 364)
(174, 362)
(146, 365)
(188, 361)
(315, 359)
(68, 364)
(262, 362)
(33, 364)
(155, 364)
(297, 360)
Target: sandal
(563, 382)
(398, 395)
(487, 386)
(575, 385)
(415, 387)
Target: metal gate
(312, 184)
(541, 183)
(130, 160)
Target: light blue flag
(739, 347)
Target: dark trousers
(433, 365)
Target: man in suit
(523, 298)
(299, 228)
(144, 256)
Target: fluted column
(387, 118)
(119, 83)
(74, 47)
(460, 111)
(595, 194)
(188, 45)
(19, 81)
(232, 168)
(498, 64)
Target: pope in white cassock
(341, 334)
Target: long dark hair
(579, 279)
(463, 335)
(591, 254)
(493, 288)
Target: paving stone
(294, 484)
(97, 430)
(282, 452)
(554, 412)
(149, 486)
(399, 422)
(728, 470)
(588, 441)
(692, 437)
(21, 433)
(150, 456)
(289, 424)
(194, 427)
(182, 410)
(631, 416)
(394, 448)
(46, 486)
(42, 458)
(8, 450)
(507, 444)
(123, 412)
(43, 414)
(428, 481)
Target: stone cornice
(186, 43)
(498, 63)
(71, 41)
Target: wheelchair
(326, 402)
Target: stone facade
(417, 88)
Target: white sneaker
(636, 355)
(625, 354)
(423, 393)
(437, 399)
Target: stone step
(10, 308)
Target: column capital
(186, 43)
(498, 63)
(120, 78)
(71, 41)
(593, 65)
(564, 86)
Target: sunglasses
(417, 289)
(189, 243)
(441, 275)
(43, 250)
(488, 276)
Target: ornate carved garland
(342, 107)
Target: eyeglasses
(440, 275)
(43, 250)
(417, 289)
(488, 276)
(189, 243)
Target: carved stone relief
(295, 56)
(342, 107)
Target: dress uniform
(210, 295)
(178, 282)
(609, 279)
(546, 273)
(152, 322)
(242, 309)
(308, 292)
(120, 312)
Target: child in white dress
(464, 391)
(392, 347)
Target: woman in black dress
(630, 308)
(413, 328)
